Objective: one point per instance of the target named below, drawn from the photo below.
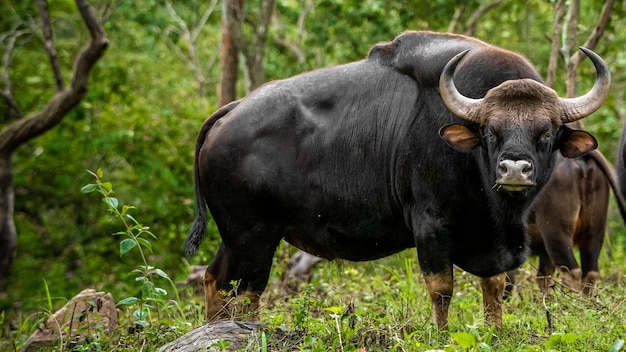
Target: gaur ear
(576, 143)
(460, 137)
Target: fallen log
(232, 336)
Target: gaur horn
(577, 108)
(462, 106)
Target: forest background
(159, 80)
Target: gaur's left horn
(462, 106)
(577, 108)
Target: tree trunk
(253, 49)
(229, 63)
(8, 235)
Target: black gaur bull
(363, 160)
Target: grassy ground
(383, 306)
(377, 306)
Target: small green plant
(472, 340)
(135, 236)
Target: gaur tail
(609, 171)
(198, 229)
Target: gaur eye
(546, 136)
(491, 136)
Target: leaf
(334, 310)
(127, 301)
(160, 291)
(107, 186)
(484, 347)
(464, 339)
(111, 202)
(132, 218)
(161, 273)
(126, 245)
(126, 208)
(569, 337)
(89, 188)
(145, 243)
(99, 173)
(617, 346)
(140, 313)
(150, 233)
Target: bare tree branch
(597, 32)
(191, 59)
(556, 37)
(10, 39)
(253, 50)
(46, 28)
(481, 10)
(569, 43)
(15, 134)
(456, 17)
(109, 8)
(306, 6)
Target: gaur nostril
(527, 169)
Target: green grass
(383, 306)
(378, 308)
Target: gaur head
(519, 124)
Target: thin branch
(109, 8)
(205, 17)
(7, 92)
(556, 35)
(569, 43)
(456, 17)
(46, 28)
(170, 44)
(481, 10)
(597, 32)
(294, 45)
(192, 58)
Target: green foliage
(153, 297)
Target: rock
(196, 279)
(87, 313)
(299, 270)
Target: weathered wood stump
(230, 336)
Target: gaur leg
(440, 287)
(560, 250)
(236, 279)
(434, 256)
(590, 247)
(493, 290)
(545, 272)
(214, 278)
(557, 232)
